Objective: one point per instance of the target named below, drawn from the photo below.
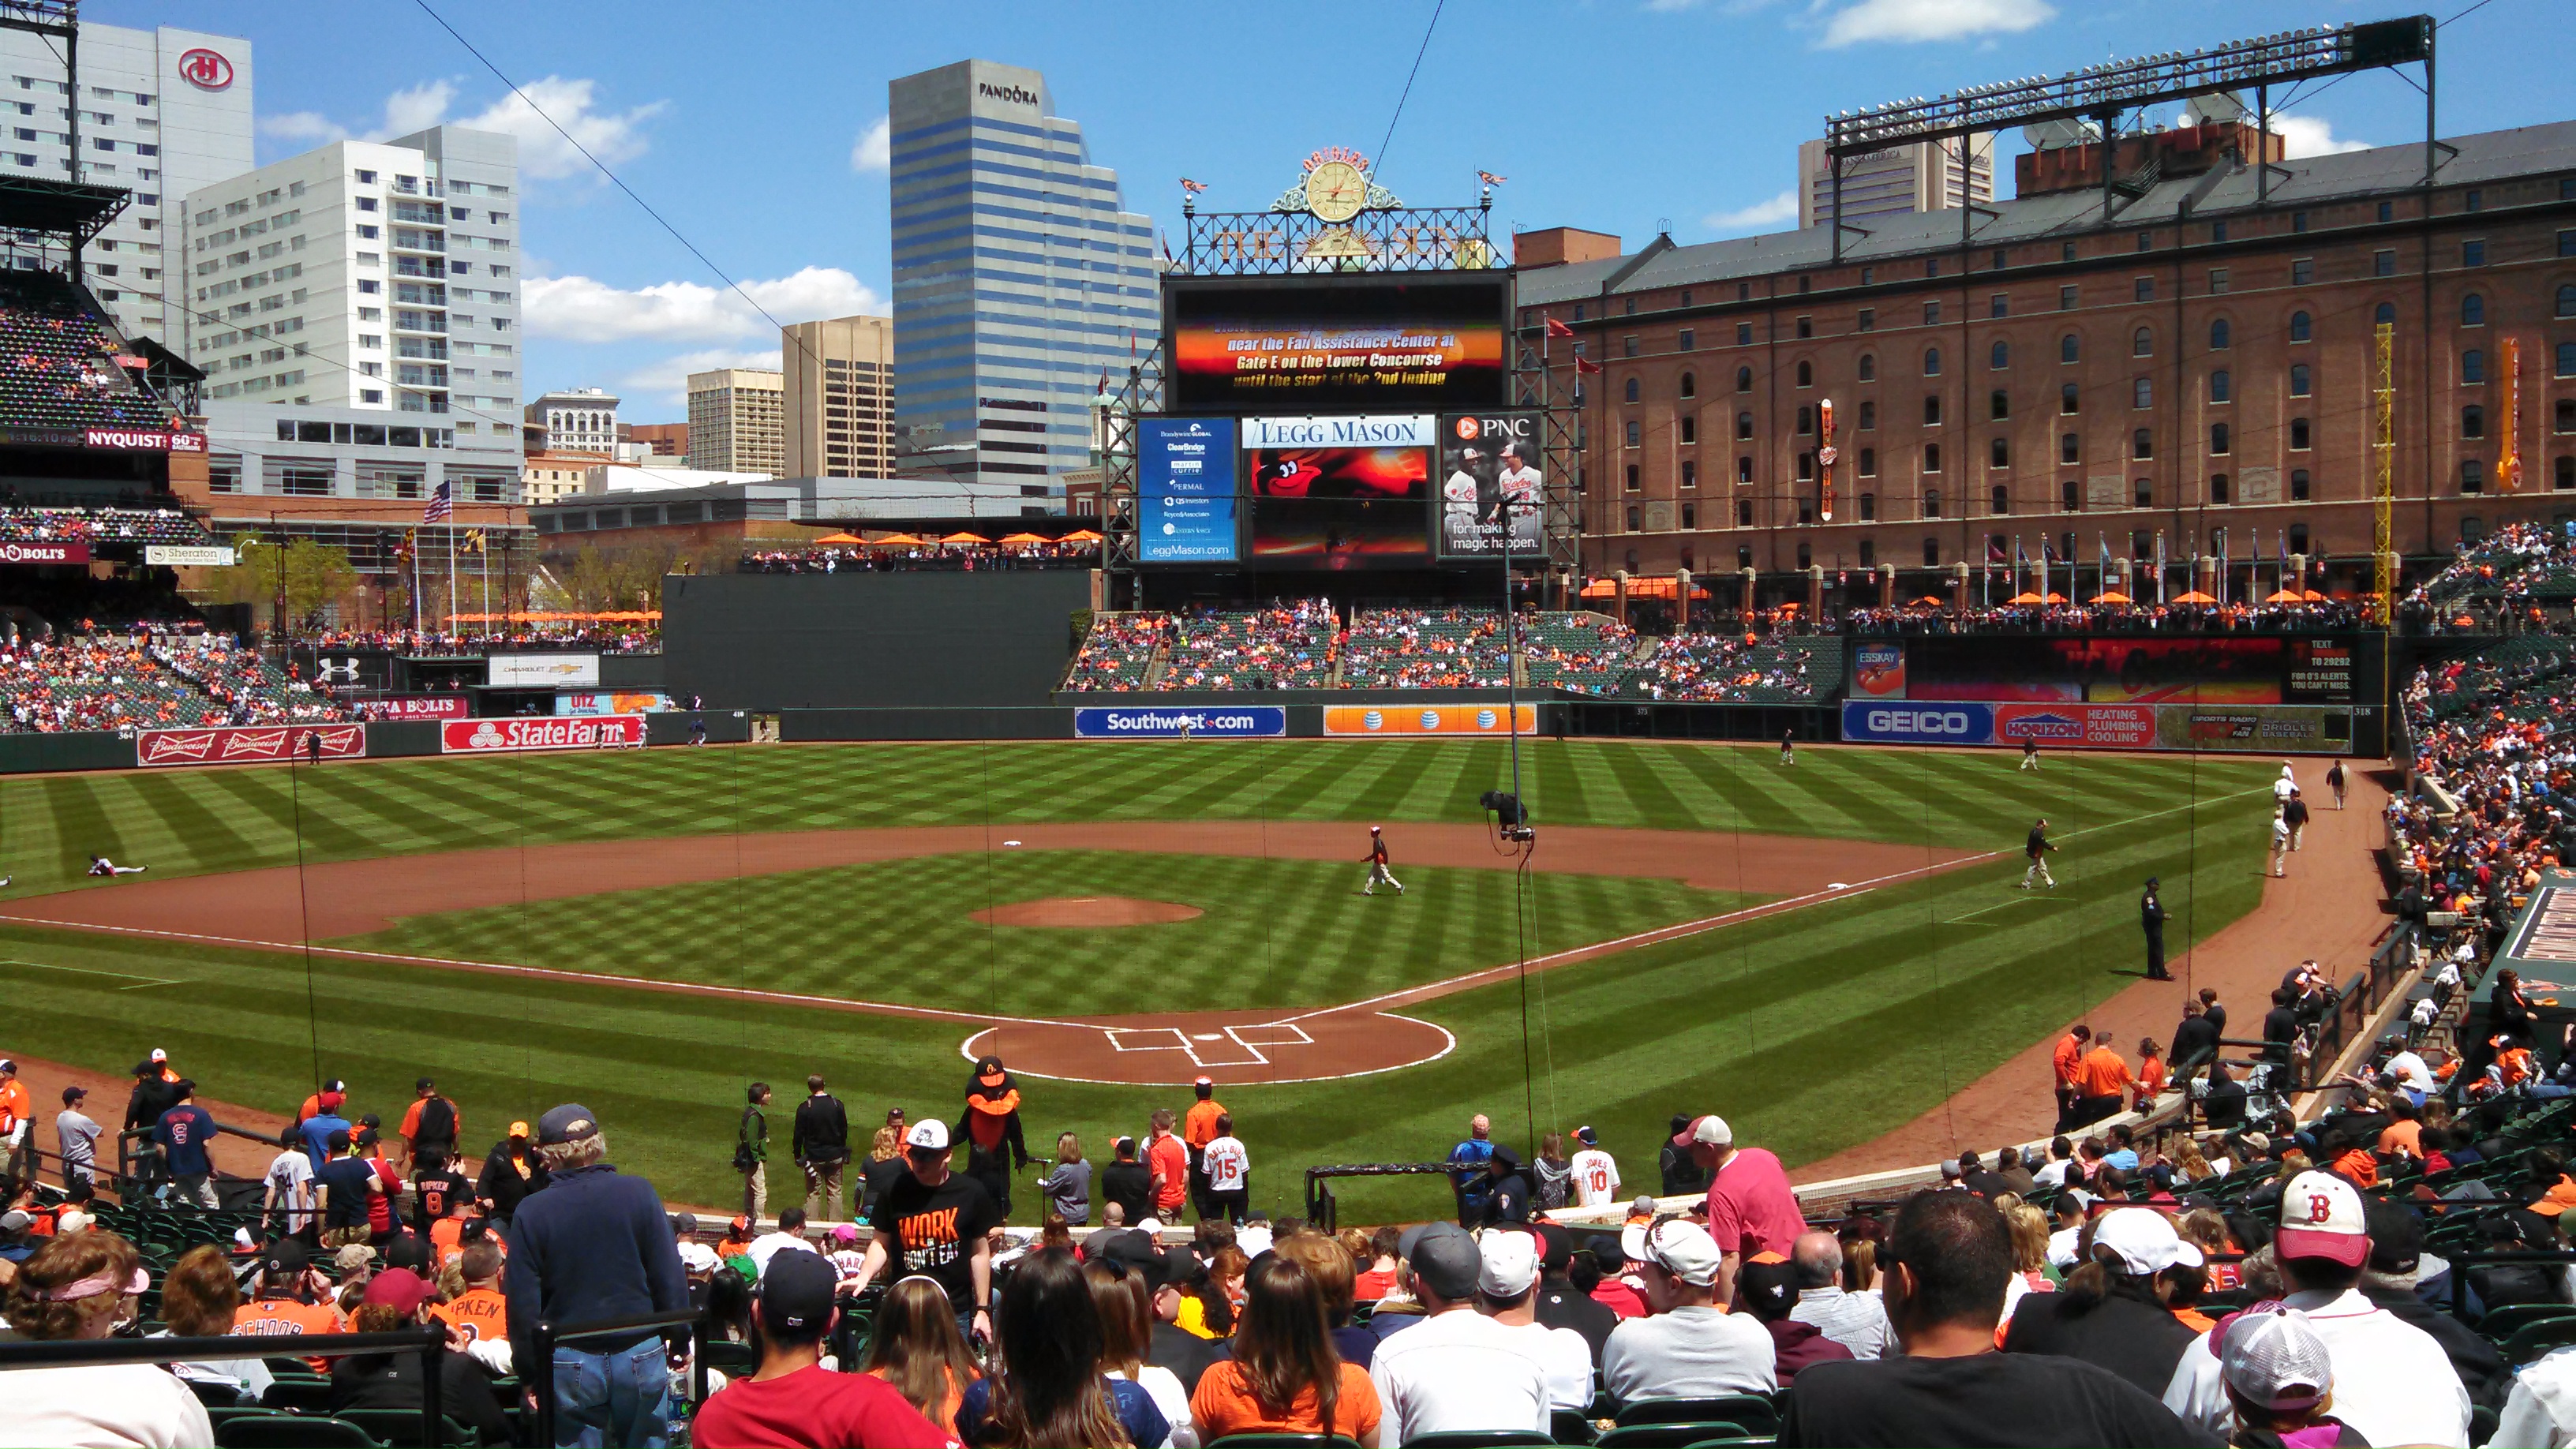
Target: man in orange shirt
(2102, 1081)
(334, 1092)
(432, 1125)
(1198, 1129)
(1168, 1161)
(2070, 1050)
(18, 1125)
(480, 1310)
(292, 1299)
(2151, 1072)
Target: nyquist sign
(1918, 724)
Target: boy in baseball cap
(2280, 1380)
(2397, 1382)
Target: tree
(308, 576)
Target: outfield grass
(1811, 1030)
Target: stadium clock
(1336, 191)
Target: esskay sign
(1240, 722)
(493, 736)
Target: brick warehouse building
(2204, 361)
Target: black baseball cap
(285, 1255)
(408, 1251)
(1767, 1290)
(796, 1294)
(1556, 1246)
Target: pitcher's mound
(1085, 911)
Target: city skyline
(1587, 134)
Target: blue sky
(748, 124)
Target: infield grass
(1810, 1030)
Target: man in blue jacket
(594, 1245)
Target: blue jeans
(620, 1398)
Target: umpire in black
(2151, 919)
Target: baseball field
(1819, 952)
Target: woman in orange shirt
(1284, 1377)
(918, 1349)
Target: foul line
(140, 981)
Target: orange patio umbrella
(895, 540)
(2285, 596)
(1930, 601)
(962, 536)
(2194, 597)
(2025, 597)
(2111, 596)
(839, 538)
(1022, 538)
(1080, 535)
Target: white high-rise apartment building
(577, 420)
(1923, 176)
(376, 276)
(738, 421)
(161, 113)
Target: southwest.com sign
(1246, 722)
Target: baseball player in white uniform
(1596, 1174)
(2280, 843)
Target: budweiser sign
(479, 736)
(243, 746)
(138, 441)
(43, 553)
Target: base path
(2323, 908)
(282, 908)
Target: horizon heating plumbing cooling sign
(1252, 721)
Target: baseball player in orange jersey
(1377, 864)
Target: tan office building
(737, 421)
(840, 397)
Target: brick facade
(2089, 383)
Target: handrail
(126, 1156)
(428, 1340)
(541, 1374)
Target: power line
(1407, 92)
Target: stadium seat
(1284, 1441)
(400, 1429)
(731, 1358)
(1755, 1412)
(2534, 1339)
(2501, 1323)
(1678, 1435)
(291, 1431)
(1480, 1439)
(1572, 1426)
(299, 1393)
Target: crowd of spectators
(638, 638)
(1742, 669)
(1406, 648)
(20, 524)
(1287, 645)
(917, 558)
(59, 363)
(1119, 650)
(2146, 617)
(2495, 582)
(243, 683)
(96, 682)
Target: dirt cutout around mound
(1085, 911)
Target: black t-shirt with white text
(2002, 1399)
(437, 1193)
(935, 1228)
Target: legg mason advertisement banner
(1429, 719)
(1238, 722)
(247, 746)
(479, 736)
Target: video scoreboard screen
(1337, 344)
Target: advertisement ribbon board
(43, 553)
(1387, 720)
(1240, 722)
(420, 706)
(542, 671)
(1185, 490)
(1918, 722)
(494, 736)
(241, 746)
(189, 555)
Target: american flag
(442, 505)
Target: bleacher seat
(1117, 651)
(58, 365)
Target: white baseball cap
(1511, 1262)
(928, 1135)
(2144, 1241)
(2321, 1217)
(2272, 1357)
(1710, 1130)
(1678, 1246)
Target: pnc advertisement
(1490, 471)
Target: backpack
(437, 1121)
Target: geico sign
(1919, 721)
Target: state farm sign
(486, 736)
(43, 553)
(244, 746)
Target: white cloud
(2312, 136)
(1917, 20)
(580, 309)
(309, 127)
(667, 379)
(416, 109)
(875, 148)
(1767, 215)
